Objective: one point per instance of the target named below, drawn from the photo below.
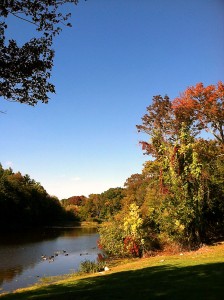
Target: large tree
(190, 175)
(25, 69)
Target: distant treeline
(24, 202)
(96, 207)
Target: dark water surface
(21, 262)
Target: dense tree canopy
(26, 69)
(24, 202)
(190, 166)
(98, 207)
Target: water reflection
(21, 255)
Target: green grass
(193, 275)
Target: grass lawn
(190, 275)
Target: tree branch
(23, 19)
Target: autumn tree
(202, 107)
(135, 187)
(158, 123)
(186, 174)
(111, 201)
(26, 69)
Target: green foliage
(24, 202)
(111, 238)
(111, 202)
(136, 186)
(181, 214)
(124, 236)
(88, 266)
(97, 207)
(180, 193)
(26, 69)
(133, 222)
(73, 206)
(187, 174)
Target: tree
(189, 169)
(25, 70)
(111, 202)
(135, 188)
(203, 108)
(158, 124)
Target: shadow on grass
(201, 282)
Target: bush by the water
(89, 266)
(123, 236)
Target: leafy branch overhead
(25, 70)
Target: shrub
(123, 236)
(88, 266)
(111, 239)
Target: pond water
(24, 256)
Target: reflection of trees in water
(42, 234)
(7, 275)
(28, 236)
(16, 258)
(70, 232)
(22, 250)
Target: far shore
(84, 224)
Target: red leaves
(197, 98)
(198, 108)
(204, 105)
(99, 245)
(131, 246)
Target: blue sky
(107, 68)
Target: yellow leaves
(196, 168)
(134, 228)
(133, 222)
(180, 227)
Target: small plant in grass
(88, 266)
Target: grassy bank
(190, 275)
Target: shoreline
(205, 256)
(84, 224)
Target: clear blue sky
(108, 66)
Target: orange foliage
(204, 105)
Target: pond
(26, 257)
